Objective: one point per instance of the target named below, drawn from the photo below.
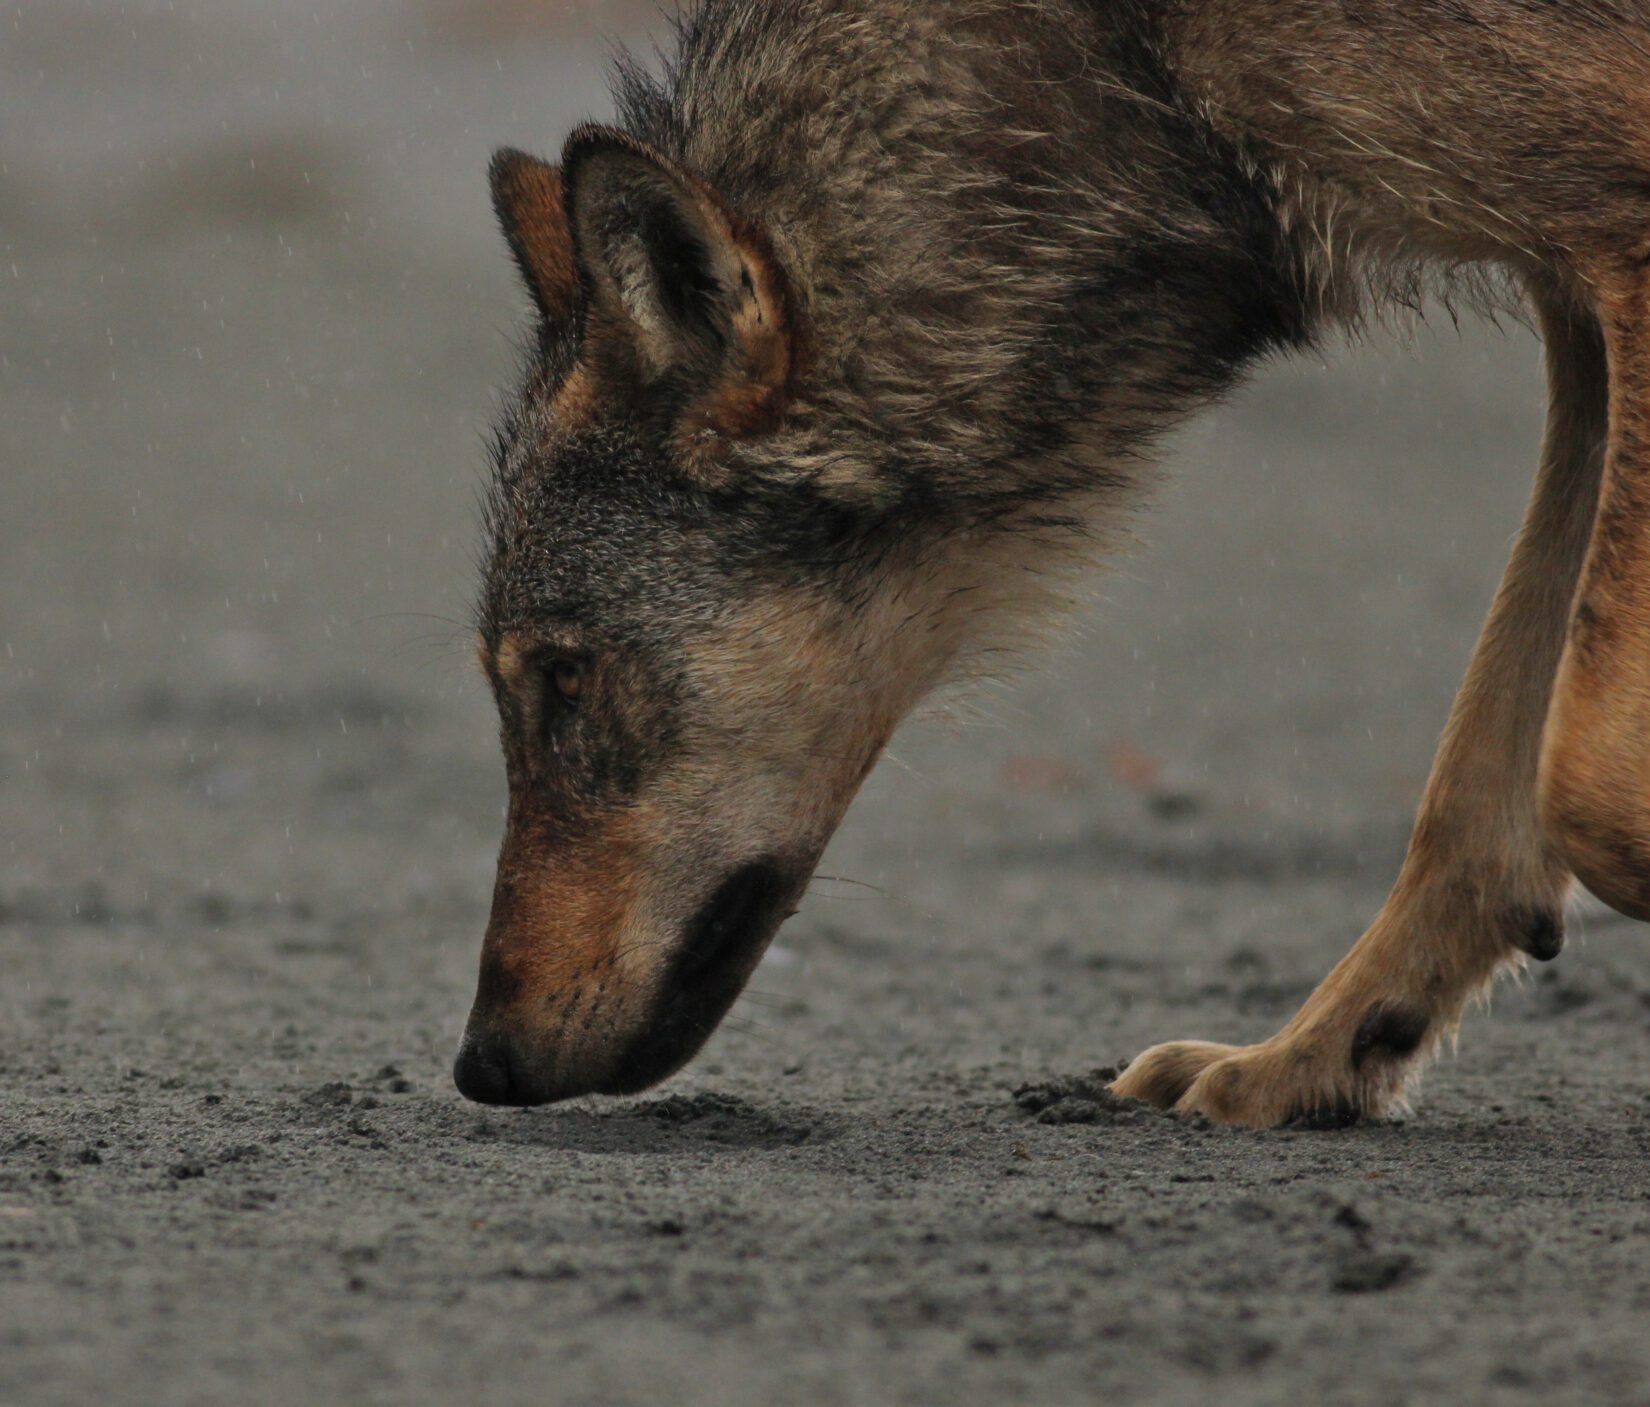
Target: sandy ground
(251, 309)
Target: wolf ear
(527, 198)
(690, 290)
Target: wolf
(854, 340)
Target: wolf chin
(853, 341)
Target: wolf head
(697, 651)
(850, 348)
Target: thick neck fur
(1019, 254)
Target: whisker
(412, 615)
(857, 883)
(746, 1028)
(770, 1001)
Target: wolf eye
(567, 679)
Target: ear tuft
(693, 290)
(527, 198)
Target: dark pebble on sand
(1363, 1272)
(1080, 1099)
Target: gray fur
(1018, 264)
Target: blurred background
(253, 315)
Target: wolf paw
(1262, 1086)
(1164, 1073)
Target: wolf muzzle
(503, 1061)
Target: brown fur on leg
(1595, 774)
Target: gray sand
(251, 309)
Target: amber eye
(567, 679)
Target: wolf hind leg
(1482, 885)
(1595, 763)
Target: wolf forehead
(594, 528)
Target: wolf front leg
(1482, 885)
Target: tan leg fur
(1480, 886)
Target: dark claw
(1540, 933)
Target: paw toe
(1259, 1089)
(1164, 1073)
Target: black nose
(485, 1072)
